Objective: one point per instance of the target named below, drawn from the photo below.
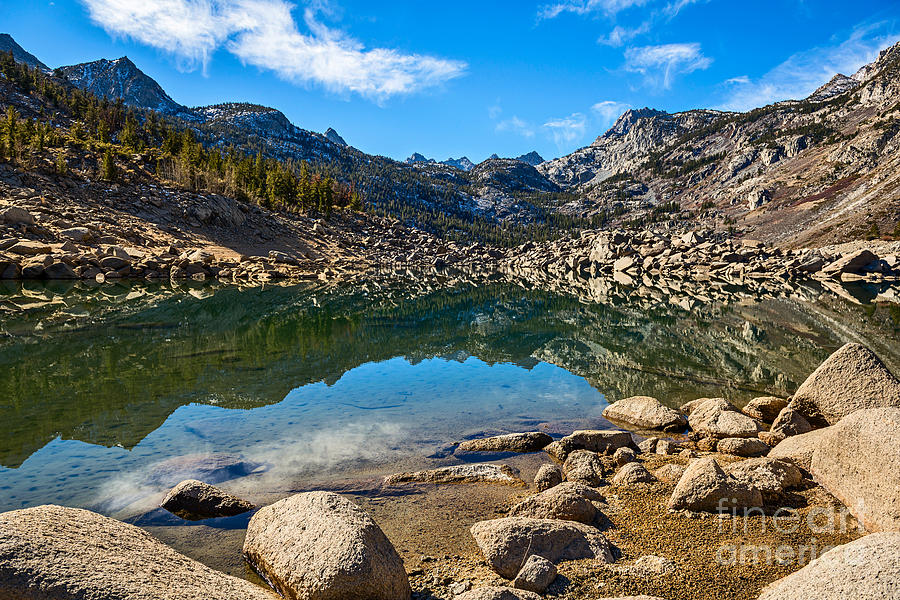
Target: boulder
(688, 407)
(512, 442)
(193, 500)
(29, 248)
(645, 412)
(648, 446)
(568, 501)
(742, 446)
(547, 476)
(76, 234)
(497, 593)
(536, 574)
(799, 448)
(60, 270)
(706, 487)
(474, 473)
(859, 463)
(15, 215)
(852, 262)
(764, 408)
(666, 447)
(790, 422)
(670, 473)
(55, 553)
(321, 546)
(771, 476)
(851, 379)
(596, 440)
(623, 456)
(717, 418)
(507, 543)
(631, 473)
(584, 466)
(864, 569)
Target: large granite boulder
(513, 442)
(717, 418)
(742, 446)
(864, 569)
(790, 422)
(799, 448)
(706, 487)
(859, 462)
(192, 499)
(536, 574)
(632, 473)
(567, 501)
(321, 546)
(645, 412)
(851, 379)
(55, 553)
(507, 543)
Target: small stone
(633, 473)
(536, 575)
(624, 455)
(548, 475)
(742, 446)
(586, 467)
(193, 500)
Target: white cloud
(567, 130)
(263, 33)
(583, 7)
(608, 111)
(660, 64)
(620, 35)
(516, 125)
(801, 74)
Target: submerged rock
(859, 463)
(53, 553)
(321, 546)
(851, 379)
(646, 413)
(512, 442)
(475, 473)
(706, 487)
(192, 499)
(567, 501)
(865, 569)
(507, 543)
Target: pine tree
(108, 166)
(61, 167)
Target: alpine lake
(113, 393)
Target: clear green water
(111, 394)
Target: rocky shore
(783, 498)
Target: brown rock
(645, 412)
(742, 446)
(586, 467)
(193, 500)
(799, 448)
(473, 473)
(764, 408)
(568, 501)
(512, 442)
(706, 487)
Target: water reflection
(115, 392)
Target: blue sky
(466, 78)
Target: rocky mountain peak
(121, 78)
(532, 158)
(462, 163)
(334, 137)
(837, 85)
(631, 116)
(8, 44)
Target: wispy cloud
(584, 7)
(619, 36)
(801, 74)
(567, 130)
(660, 64)
(516, 125)
(607, 111)
(263, 33)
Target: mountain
(818, 170)
(463, 163)
(121, 78)
(532, 158)
(415, 158)
(8, 44)
(334, 137)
